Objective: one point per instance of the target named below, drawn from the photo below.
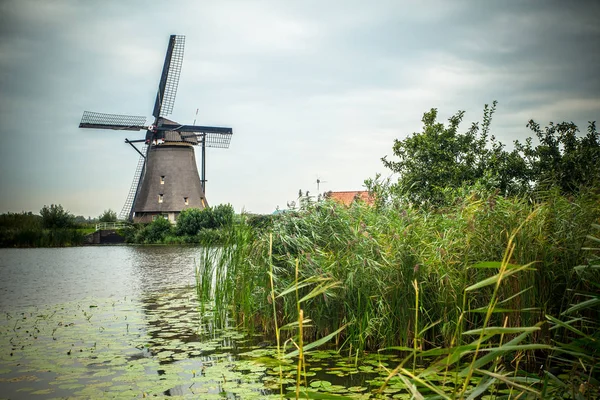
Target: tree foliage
(154, 232)
(20, 221)
(56, 217)
(193, 220)
(190, 221)
(440, 158)
(562, 159)
(108, 216)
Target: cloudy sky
(311, 88)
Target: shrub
(154, 232)
(108, 216)
(193, 220)
(56, 217)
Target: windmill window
(160, 198)
(162, 180)
(185, 200)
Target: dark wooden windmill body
(166, 180)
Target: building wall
(171, 183)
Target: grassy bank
(414, 279)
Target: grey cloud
(309, 87)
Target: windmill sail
(169, 80)
(112, 121)
(209, 136)
(127, 209)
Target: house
(347, 198)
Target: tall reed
(491, 367)
(375, 254)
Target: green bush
(222, 216)
(20, 221)
(191, 221)
(154, 232)
(259, 221)
(56, 217)
(108, 216)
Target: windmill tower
(166, 180)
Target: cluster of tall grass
(30, 230)
(494, 362)
(407, 278)
(36, 237)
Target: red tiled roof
(346, 198)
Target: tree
(439, 157)
(56, 217)
(562, 159)
(108, 216)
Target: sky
(312, 89)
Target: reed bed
(416, 281)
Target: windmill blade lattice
(212, 136)
(112, 121)
(169, 80)
(126, 211)
(217, 140)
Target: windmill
(166, 179)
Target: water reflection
(99, 322)
(158, 268)
(120, 309)
(180, 334)
(29, 277)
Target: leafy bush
(222, 216)
(154, 232)
(56, 217)
(20, 221)
(108, 216)
(193, 220)
(259, 221)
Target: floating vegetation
(153, 346)
(161, 345)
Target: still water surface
(96, 322)
(30, 277)
(125, 322)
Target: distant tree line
(57, 227)
(53, 227)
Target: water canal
(105, 322)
